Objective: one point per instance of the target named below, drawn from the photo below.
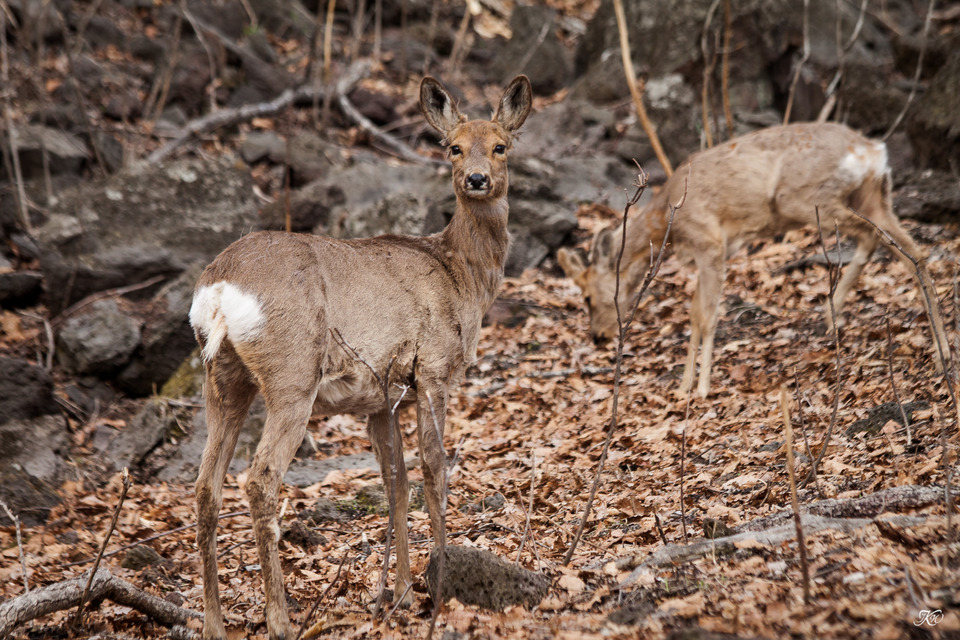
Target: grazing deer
(278, 313)
(756, 186)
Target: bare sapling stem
(833, 270)
(893, 382)
(641, 185)
(916, 74)
(803, 61)
(801, 545)
(635, 91)
(316, 603)
(78, 620)
(16, 524)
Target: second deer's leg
(709, 287)
(696, 334)
(288, 411)
(227, 399)
(866, 245)
(387, 444)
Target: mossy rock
(187, 380)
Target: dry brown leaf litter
(540, 395)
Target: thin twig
(641, 185)
(683, 455)
(316, 603)
(725, 67)
(802, 547)
(23, 560)
(833, 270)
(155, 536)
(635, 92)
(17, 177)
(391, 478)
(916, 73)
(803, 61)
(211, 59)
(107, 293)
(709, 64)
(526, 527)
(78, 620)
(893, 382)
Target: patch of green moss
(187, 380)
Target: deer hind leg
(431, 417)
(928, 293)
(866, 245)
(393, 471)
(228, 393)
(704, 312)
(288, 410)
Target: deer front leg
(431, 415)
(226, 411)
(387, 444)
(284, 429)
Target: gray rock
(26, 391)
(142, 222)
(20, 289)
(166, 338)
(258, 145)
(303, 473)
(99, 340)
(65, 152)
(31, 466)
(934, 125)
(478, 577)
(131, 445)
(548, 62)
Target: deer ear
(515, 104)
(602, 252)
(437, 106)
(571, 262)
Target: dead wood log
(66, 595)
(894, 499)
(247, 112)
(845, 515)
(680, 553)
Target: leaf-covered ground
(529, 424)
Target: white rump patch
(222, 310)
(863, 162)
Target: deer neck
(475, 247)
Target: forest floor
(529, 424)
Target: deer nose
(477, 181)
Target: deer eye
(500, 149)
(455, 150)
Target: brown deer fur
(756, 186)
(277, 312)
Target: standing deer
(756, 186)
(278, 313)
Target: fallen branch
(773, 537)
(230, 117)
(894, 499)
(104, 585)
